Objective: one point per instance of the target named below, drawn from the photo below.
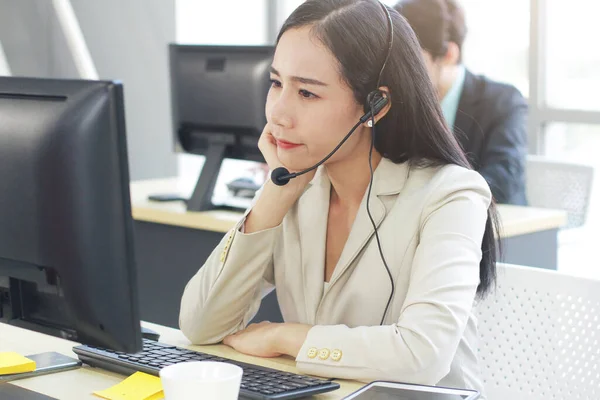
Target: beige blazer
(430, 223)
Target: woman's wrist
(288, 338)
(272, 206)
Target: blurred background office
(545, 48)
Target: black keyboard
(257, 382)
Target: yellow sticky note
(14, 363)
(139, 386)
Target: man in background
(487, 117)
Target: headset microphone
(281, 176)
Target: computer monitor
(218, 96)
(66, 242)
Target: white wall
(127, 41)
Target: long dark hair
(414, 129)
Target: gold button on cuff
(336, 355)
(312, 352)
(324, 354)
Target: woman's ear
(386, 93)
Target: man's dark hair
(435, 22)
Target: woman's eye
(306, 94)
(275, 83)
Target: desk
(172, 243)
(82, 382)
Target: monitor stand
(218, 147)
(201, 199)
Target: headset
(376, 101)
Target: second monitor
(218, 96)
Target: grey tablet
(380, 390)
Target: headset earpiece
(376, 100)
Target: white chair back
(560, 185)
(540, 336)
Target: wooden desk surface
(516, 220)
(82, 382)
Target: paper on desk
(14, 363)
(139, 386)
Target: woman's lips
(286, 145)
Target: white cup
(206, 380)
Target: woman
(313, 238)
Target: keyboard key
(175, 352)
(163, 345)
(160, 353)
(299, 381)
(298, 385)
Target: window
(233, 22)
(285, 8)
(573, 66)
(497, 43)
